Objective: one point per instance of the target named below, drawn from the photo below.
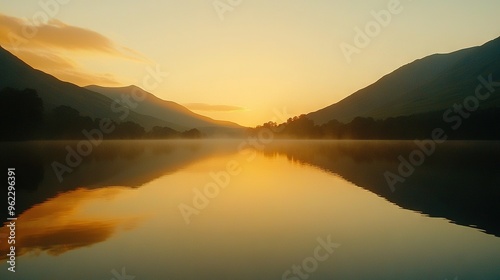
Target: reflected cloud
(130, 164)
(61, 240)
(66, 222)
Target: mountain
(98, 102)
(430, 84)
(165, 110)
(54, 92)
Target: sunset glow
(256, 57)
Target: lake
(237, 209)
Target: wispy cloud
(52, 48)
(56, 34)
(64, 68)
(212, 108)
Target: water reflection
(120, 208)
(113, 163)
(460, 181)
(65, 222)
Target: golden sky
(240, 60)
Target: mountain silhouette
(98, 102)
(430, 84)
(180, 116)
(54, 92)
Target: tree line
(23, 117)
(480, 125)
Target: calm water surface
(211, 210)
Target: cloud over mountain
(18, 33)
(54, 46)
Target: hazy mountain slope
(433, 83)
(162, 109)
(54, 92)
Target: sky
(240, 60)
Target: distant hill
(164, 110)
(430, 84)
(54, 92)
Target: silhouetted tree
(21, 114)
(162, 132)
(191, 134)
(65, 122)
(362, 128)
(480, 125)
(301, 127)
(128, 130)
(332, 129)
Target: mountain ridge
(161, 109)
(54, 92)
(428, 84)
